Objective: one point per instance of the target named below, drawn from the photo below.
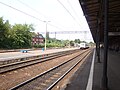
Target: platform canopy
(94, 13)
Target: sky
(59, 15)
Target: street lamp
(46, 33)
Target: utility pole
(46, 33)
(55, 35)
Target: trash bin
(42, 49)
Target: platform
(14, 55)
(87, 79)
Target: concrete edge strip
(90, 79)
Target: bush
(39, 46)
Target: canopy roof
(94, 13)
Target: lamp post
(46, 33)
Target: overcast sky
(63, 15)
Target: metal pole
(99, 48)
(104, 77)
(46, 36)
(46, 33)
(98, 42)
(55, 35)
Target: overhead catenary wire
(38, 13)
(31, 8)
(27, 14)
(46, 16)
(72, 8)
(68, 12)
(22, 11)
(31, 15)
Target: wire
(34, 16)
(28, 14)
(66, 9)
(68, 12)
(22, 12)
(55, 26)
(73, 9)
(38, 13)
(31, 8)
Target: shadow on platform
(80, 78)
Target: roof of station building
(94, 13)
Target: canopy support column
(104, 77)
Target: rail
(52, 76)
(21, 64)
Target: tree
(91, 44)
(66, 42)
(16, 36)
(4, 33)
(77, 41)
(22, 35)
(71, 43)
(83, 42)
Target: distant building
(37, 39)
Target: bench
(24, 51)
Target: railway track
(40, 59)
(49, 78)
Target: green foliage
(39, 46)
(66, 42)
(77, 41)
(16, 36)
(71, 43)
(52, 42)
(20, 36)
(23, 35)
(91, 44)
(83, 42)
(4, 33)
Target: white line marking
(90, 80)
